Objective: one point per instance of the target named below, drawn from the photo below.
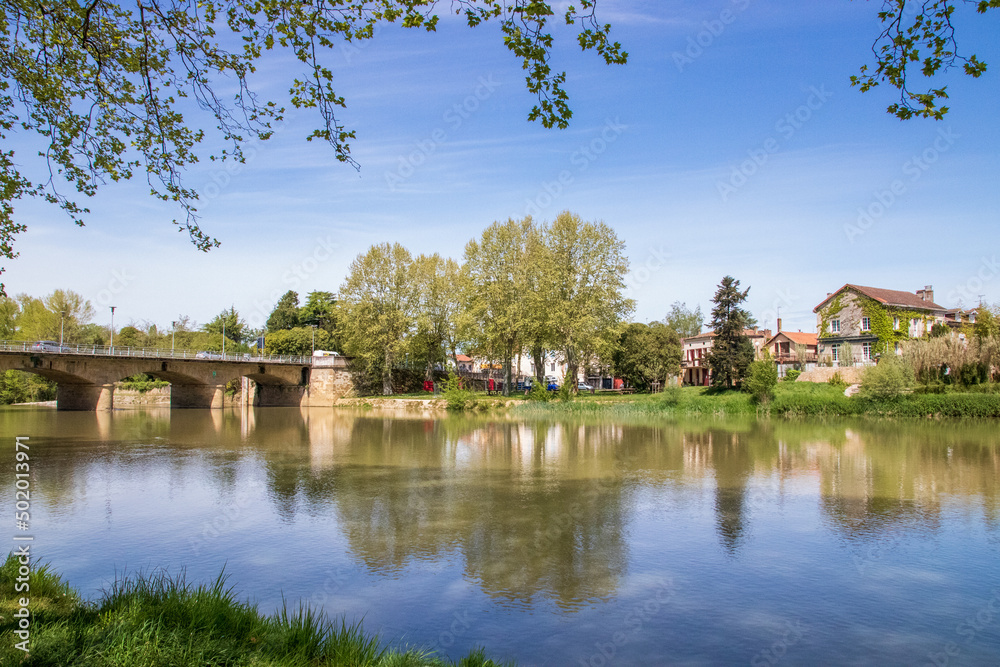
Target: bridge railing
(149, 352)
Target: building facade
(856, 323)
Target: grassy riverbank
(157, 620)
(792, 399)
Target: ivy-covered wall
(849, 306)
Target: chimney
(927, 293)
(779, 325)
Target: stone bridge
(87, 382)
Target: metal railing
(147, 352)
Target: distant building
(854, 316)
(694, 350)
(793, 349)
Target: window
(835, 352)
(915, 321)
(866, 324)
(835, 327)
(972, 317)
(866, 351)
(898, 349)
(895, 323)
(553, 365)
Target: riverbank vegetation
(160, 620)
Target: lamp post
(62, 319)
(173, 332)
(223, 337)
(112, 346)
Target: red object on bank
(491, 384)
(429, 386)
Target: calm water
(550, 542)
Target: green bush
(538, 392)
(671, 395)
(760, 380)
(888, 379)
(837, 380)
(792, 375)
(457, 397)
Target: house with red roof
(856, 323)
(793, 349)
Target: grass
(792, 399)
(155, 620)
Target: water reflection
(533, 509)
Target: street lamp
(173, 332)
(223, 337)
(112, 347)
(62, 318)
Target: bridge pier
(277, 395)
(197, 395)
(93, 397)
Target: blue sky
(721, 148)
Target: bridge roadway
(86, 375)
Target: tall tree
(683, 320)
(286, 312)
(438, 284)
(495, 274)
(378, 300)
(588, 267)
(229, 321)
(732, 351)
(102, 82)
(645, 354)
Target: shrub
(761, 379)
(792, 375)
(538, 392)
(457, 397)
(837, 380)
(671, 395)
(888, 379)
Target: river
(548, 541)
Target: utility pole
(223, 336)
(62, 319)
(112, 347)
(173, 333)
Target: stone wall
(850, 374)
(129, 397)
(327, 386)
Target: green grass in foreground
(157, 620)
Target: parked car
(583, 386)
(208, 355)
(49, 346)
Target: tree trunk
(508, 355)
(536, 356)
(387, 375)
(571, 369)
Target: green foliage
(457, 396)
(128, 337)
(837, 380)
(761, 379)
(566, 390)
(732, 352)
(888, 379)
(939, 329)
(987, 322)
(792, 375)
(829, 313)
(115, 106)
(22, 387)
(296, 341)
(645, 354)
(379, 303)
(921, 38)
(684, 321)
(539, 392)
(285, 314)
(230, 322)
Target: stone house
(855, 324)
